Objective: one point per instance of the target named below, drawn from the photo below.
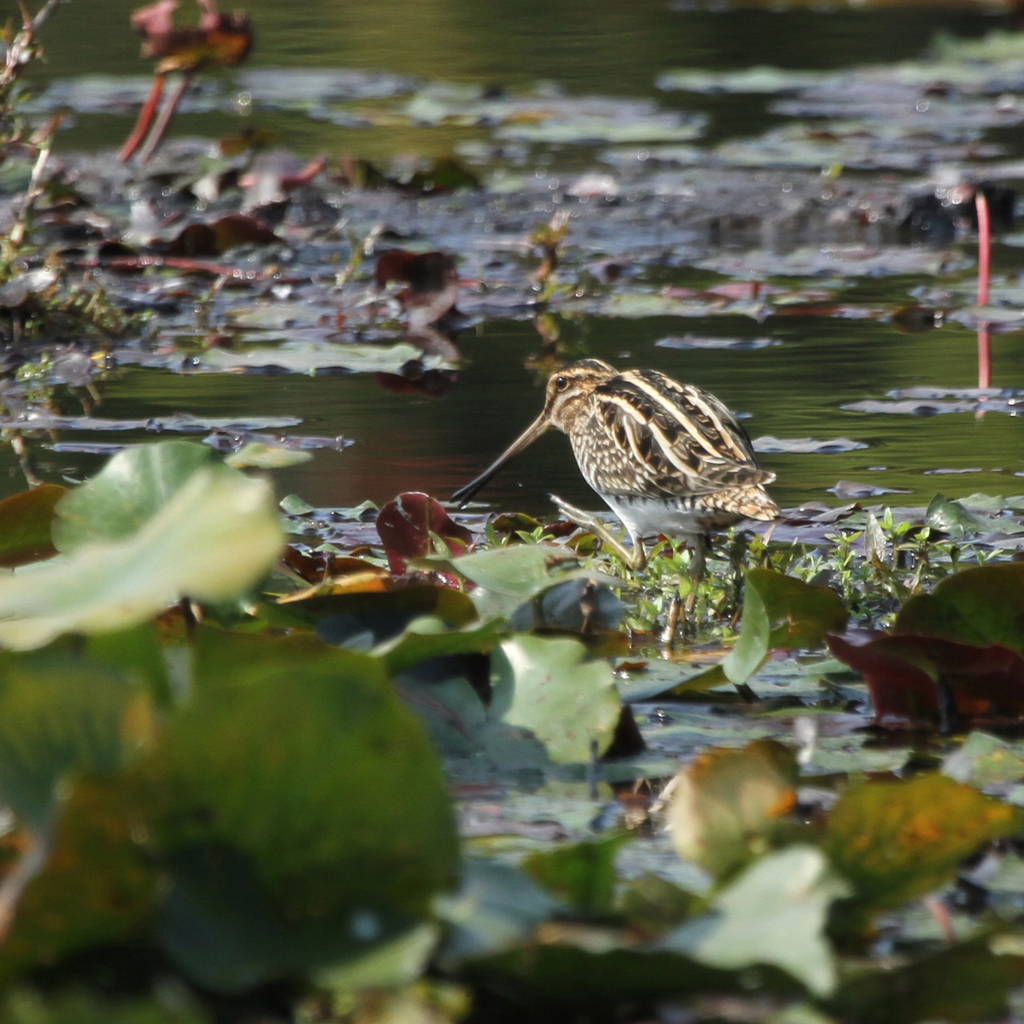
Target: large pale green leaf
(130, 489)
(304, 811)
(215, 538)
(547, 685)
(773, 913)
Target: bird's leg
(635, 559)
(698, 565)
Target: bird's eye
(561, 383)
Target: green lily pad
(982, 605)
(58, 715)
(780, 611)
(547, 685)
(305, 814)
(985, 760)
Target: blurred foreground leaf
(305, 814)
(128, 491)
(99, 885)
(58, 715)
(968, 982)
(773, 913)
(214, 539)
(896, 841)
(729, 806)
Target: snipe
(666, 457)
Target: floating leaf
(806, 445)
(985, 760)
(729, 806)
(773, 913)
(255, 455)
(951, 517)
(548, 686)
(896, 841)
(26, 519)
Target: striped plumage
(666, 457)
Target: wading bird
(666, 457)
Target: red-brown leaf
(405, 526)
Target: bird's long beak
(539, 426)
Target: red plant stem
(134, 140)
(984, 357)
(984, 278)
(984, 247)
(167, 112)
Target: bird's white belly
(647, 517)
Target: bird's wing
(678, 440)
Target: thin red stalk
(984, 280)
(984, 247)
(145, 119)
(984, 357)
(166, 116)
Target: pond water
(793, 374)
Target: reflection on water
(407, 439)
(426, 425)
